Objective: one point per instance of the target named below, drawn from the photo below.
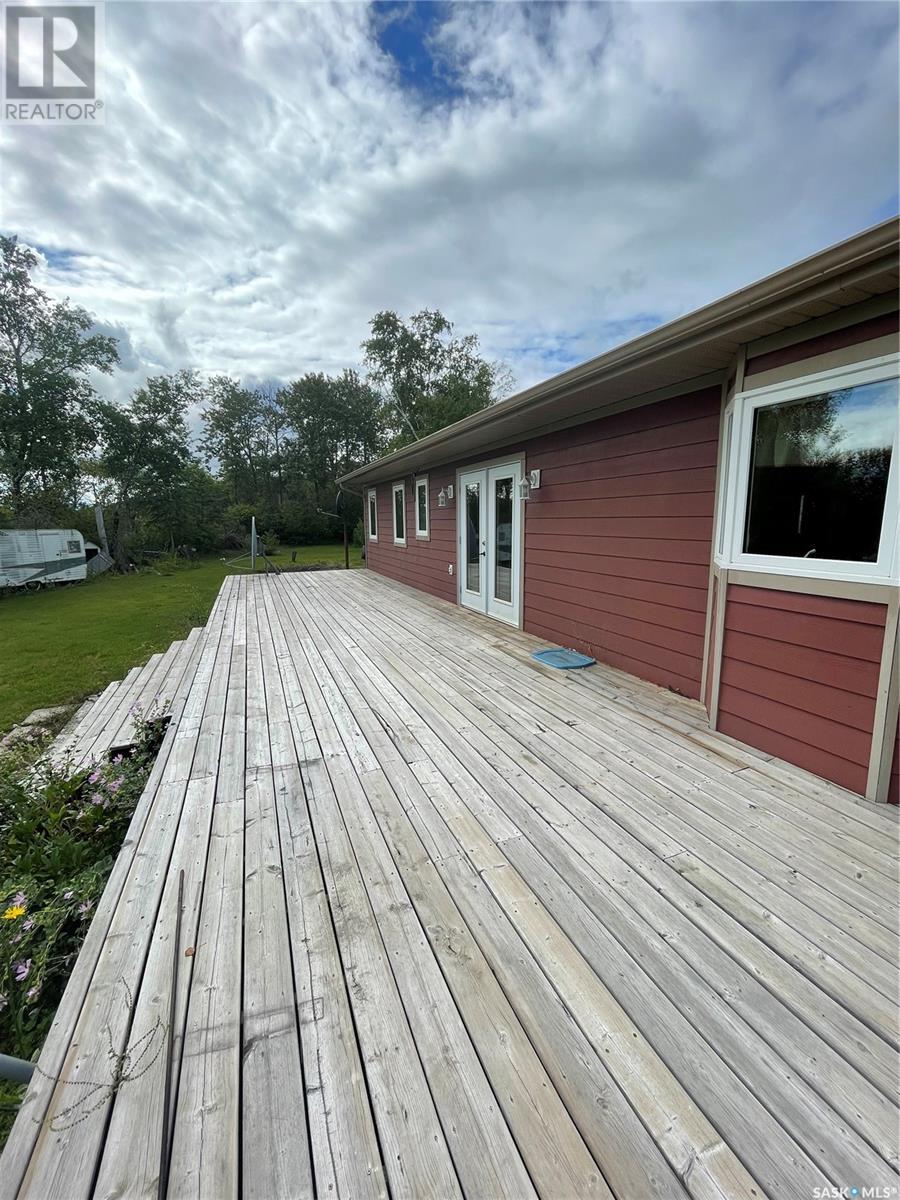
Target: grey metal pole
(16, 1069)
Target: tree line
(187, 459)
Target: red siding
(850, 335)
(617, 553)
(799, 678)
(420, 563)
(617, 539)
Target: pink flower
(20, 969)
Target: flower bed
(59, 838)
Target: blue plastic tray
(565, 660)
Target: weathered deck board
(795, 1103)
(758, 1063)
(641, 805)
(107, 723)
(464, 926)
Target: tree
(145, 455)
(430, 377)
(46, 399)
(237, 436)
(338, 425)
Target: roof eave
(775, 292)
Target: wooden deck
(456, 924)
(107, 724)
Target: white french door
(489, 516)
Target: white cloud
(267, 179)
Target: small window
(74, 546)
(422, 529)
(400, 514)
(810, 477)
(373, 515)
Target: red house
(712, 506)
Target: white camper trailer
(30, 558)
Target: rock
(20, 733)
(41, 716)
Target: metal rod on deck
(165, 1147)
(16, 1069)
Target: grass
(60, 645)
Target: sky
(556, 178)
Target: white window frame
(398, 487)
(372, 511)
(422, 481)
(734, 482)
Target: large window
(399, 502)
(809, 476)
(373, 515)
(422, 529)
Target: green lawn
(58, 646)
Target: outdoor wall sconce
(444, 495)
(529, 483)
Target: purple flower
(116, 784)
(97, 798)
(29, 924)
(20, 969)
(19, 898)
(119, 758)
(85, 907)
(93, 777)
(33, 993)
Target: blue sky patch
(405, 31)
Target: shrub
(269, 541)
